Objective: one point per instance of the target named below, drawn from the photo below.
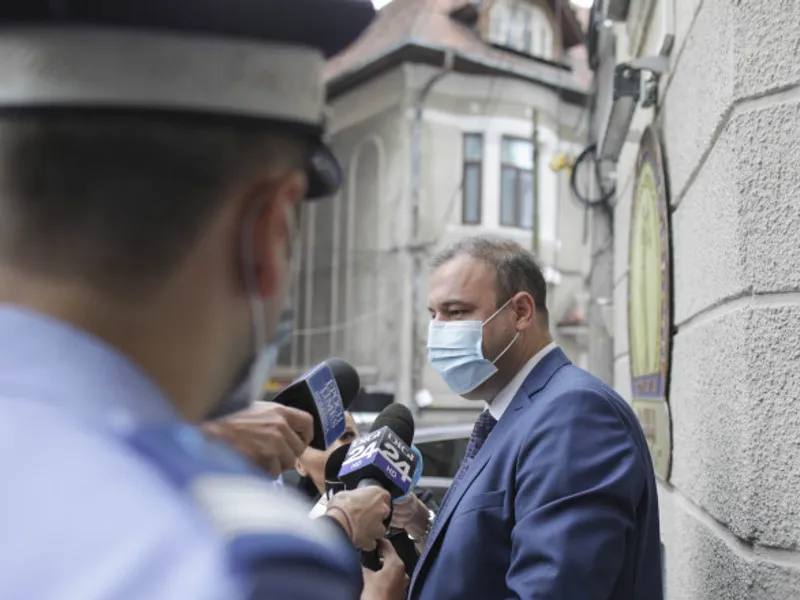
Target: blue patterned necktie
(480, 432)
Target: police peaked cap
(257, 62)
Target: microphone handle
(371, 559)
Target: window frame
(467, 163)
(523, 24)
(518, 212)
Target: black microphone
(325, 392)
(334, 485)
(383, 458)
(403, 545)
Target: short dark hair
(118, 200)
(516, 269)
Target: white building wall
(730, 122)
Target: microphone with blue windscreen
(325, 392)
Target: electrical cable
(589, 151)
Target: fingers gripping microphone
(383, 458)
(415, 477)
(405, 547)
(325, 392)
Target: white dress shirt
(320, 508)
(500, 403)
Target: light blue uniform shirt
(83, 516)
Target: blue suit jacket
(559, 504)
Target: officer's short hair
(516, 269)
(118, 200)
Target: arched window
(523, 26)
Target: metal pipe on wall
(414, 247)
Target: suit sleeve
(579, 481)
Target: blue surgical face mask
(455, 350)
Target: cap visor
(324, 173)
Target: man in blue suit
(556, 497)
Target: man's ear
(269, 207)
(300, 470)
(525, 309)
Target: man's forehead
(463, 278)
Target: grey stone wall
(729, 116)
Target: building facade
(433, 118)
(727, 118)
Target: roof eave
(409, 51)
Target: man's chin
(485, 392)
(479, 394)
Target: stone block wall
(729, 117)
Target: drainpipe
(536, 163)
(415, 248)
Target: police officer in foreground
(152, 158)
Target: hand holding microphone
(270, 435)
(411, 514)
(382, 459)
(363, 514)
(390, 582)
(310, 411)
(324, 392)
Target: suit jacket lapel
(544, 371)
(457, 493)
(537, 380)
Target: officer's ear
(271, 224)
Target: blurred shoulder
(129, 531)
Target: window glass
(472, 194)
(498, 26)
(472, 178)
(521, 26)
(508, 197)
(526, 199)
(473, 147)
(545, 36)
(518, 153)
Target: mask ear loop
(514, 339)
(250, 272)
(497, 312)
(507, 348)
(251, 269)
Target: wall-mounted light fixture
(628, 91)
